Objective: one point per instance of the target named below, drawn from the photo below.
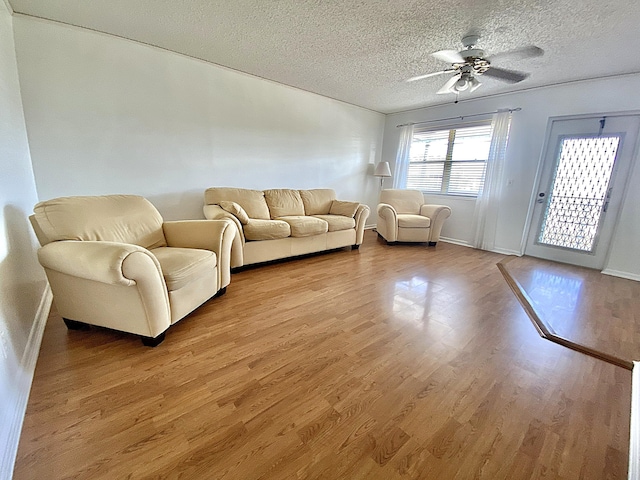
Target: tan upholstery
(347, 209)
(284, 202)
(266, 230)
(317, 201)
(252, 201)
(302, 226)
(403, 217)
(300, 222)
(100, 218)
(338, 222)
(236, 210)
(112, 261)
(408, 220)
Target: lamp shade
(382, 170)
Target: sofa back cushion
(283, 202)
(112, 218)
(404, 201)
(252, 201)
(317, 201)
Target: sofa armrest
(214, 235)
(438, 214)
(362, 213)
(387, 225)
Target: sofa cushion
(236, 210)
(258, 229)
(284, 202)
(112, 218)
(317, 201)
(252, 201)
(347, 209)
(181, 266)
(407, 220)
(303, 226)
(338, 222)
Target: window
(450, 161)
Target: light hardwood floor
(599, 312)
(388, 362)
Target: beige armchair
(403, 217)
(113, 262)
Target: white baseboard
(455, 241)
(502, 251)
(506, 251)
(618, 273)
(15, 416)
(634, 443)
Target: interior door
(585, 166)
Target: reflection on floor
(581, 305)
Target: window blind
(449, 161)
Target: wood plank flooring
(387, 362)
(600, 312)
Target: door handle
(540, 197)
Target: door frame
(538, 178)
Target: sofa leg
(220, 292)
(390, 243)
(432, 244)
(75, 325)
(355, 247)
(153, 341)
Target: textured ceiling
(361, 51)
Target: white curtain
(489, 197)
(402, 158)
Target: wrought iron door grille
(579, 192)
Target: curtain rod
(461, 117)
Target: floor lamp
(383, 171)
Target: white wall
(108, 115)
(22, 283)
(528, 131)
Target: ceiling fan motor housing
(472, 53)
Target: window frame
(448, 161)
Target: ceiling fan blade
(446, 88)
(421, 77)
(510, 76)
(448, 56)
(530, 51)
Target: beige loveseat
(281, 223)
(112, 261)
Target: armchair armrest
(438, 214)
(215, 212)
(362, 213)
(84, 274)
(98, 261)
(214, 235)
(387, 224)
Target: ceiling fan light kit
(470, 63)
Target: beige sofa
(112, 261)
(281, 223)
(404, 217)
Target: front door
(586, 163)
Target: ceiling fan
(470, 63)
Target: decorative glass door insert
(579, 192)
